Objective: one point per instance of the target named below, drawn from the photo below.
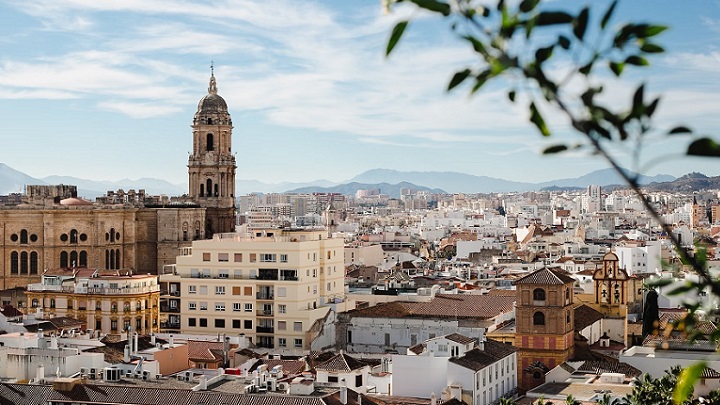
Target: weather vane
(212, 67)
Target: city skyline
(106, 91)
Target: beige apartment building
(271, 285)
(108, 301)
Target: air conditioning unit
(93, 372)
(93, 376)
(283, 386)
(83, 371)
(145, 378)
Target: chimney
(152, 339)
(343, 392)
(203, 382)
(172, 342)
(135, 344)
(53, 341)
(226, 349)
(433, 399)
(40, 373)
(126, 354)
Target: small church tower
(211, 166)
(545, 330)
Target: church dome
(212, 103)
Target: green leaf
(433, 5)
(586, 69)
(651, 48)
(480, 80)
(542, 54)
(686, 381)
(528, 5)
(397, 32)
(538, 120)
(564, 42)
(580, 23)
(651, 30)
(704, 147)
(511, 95)
(458, 78)
(636, 60)
(679, 130)
(554, 149)
(650, 108)
(552, 18)
(617, 68)
(478, 46)
(608, 14)
(637, 106)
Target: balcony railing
(264, 329)
(167, 308)
(264, 296)
(263, 312)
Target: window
(297, 326)
(253, 257)
(247, 324)
(283, 258)
(203, 322)
(442, 348)
(332, 379)
(248, 291)
(298, 342)
(192, 306)
(219, 290)
(238, 257)
(538, 294)
(203, 290)
(282, 325)
(236, 324)
(220, 306)
(282, 342)
(113, 325)
(206, 256)
(223, 257)
(538, 318)
(282, 308)
(248, 307)
(219, 323)
(192, 289)
(192, 322)
(203, 306)
(237, 306)
(267, 257)
(223, 274)
(209, 144)
(358, 378)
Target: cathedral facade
(52, 228)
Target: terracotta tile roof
(10, 311)
(477, 359)
(443, 306)
(585, 316)
(546, 276)
(458, 338)
(710, 373)
(341, 362)
(418, 349)
(289, 367)
(501, 292)
(201, 350)
(26, 394)
(598, 367)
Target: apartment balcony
(170, 325)
(263, 312)
(117, 291)
(264, 329)
(265, 296)
(49, 287)
(168, 308)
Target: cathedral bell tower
(211, 166)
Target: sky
(106, 90)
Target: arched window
(538, 318)
(112, 234)
(14, 263)
(35, 303)
(33, 263)
(538, 294)
(63, 259)
(567, 294)
(117, 258)
(23, 237)
(202, 190)
(537, 375)
(52, 302)
(112, 259)
(208, 187)
(73, 236)
(216, 190)
(23, 263)
(107, 259)
(74, 258)
(209, 121)
(83, 258)
(210, 142)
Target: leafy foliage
(524, 41)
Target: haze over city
(105, 90)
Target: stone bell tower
(211, 166)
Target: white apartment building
(270, 286)
(640, 257)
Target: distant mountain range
(388, 181)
